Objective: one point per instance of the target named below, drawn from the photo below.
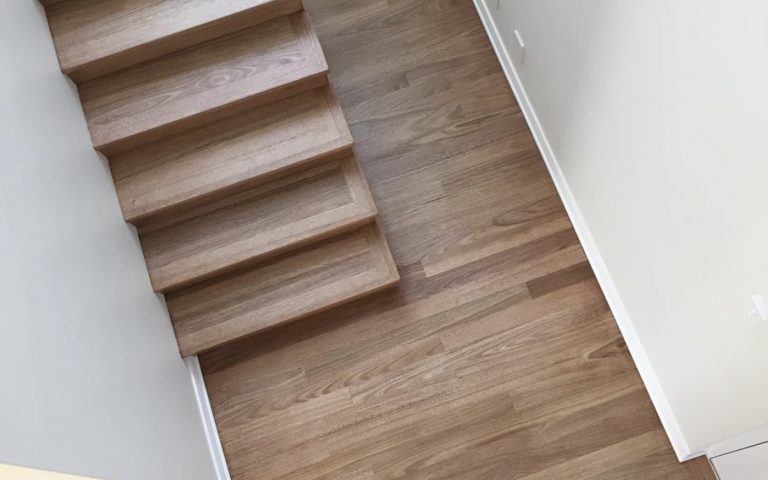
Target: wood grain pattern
(231, 201)
(215, 160)
(497, 357)
(95, 37)
(285, 214)
(297, 284)
(208, 82)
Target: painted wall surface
(657, 113)
(92, 383)
(747, 464)
(11, 472)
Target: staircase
(231, 156)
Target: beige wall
(92, 383)
(11, 472)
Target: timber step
(95, 37)
(287, 213)
(192, 87)
(214, 160)
(287, 288)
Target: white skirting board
(682, 450)
(206, 415)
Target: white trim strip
(740, 442)
(209, 422)
(612, 296)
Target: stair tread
(210, 81)
(94, 37)
(243, 149)
(281, 290)
(287, 213)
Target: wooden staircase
(231, 156)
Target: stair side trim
(206, 415)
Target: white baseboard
(206, 414)
(612, 296)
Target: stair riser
(110, 148)
(181, 40)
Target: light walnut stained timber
(226, 76)
(497, 358)
(232, 157)
(297, 284)
(214, 160)
(284, 214)
(95, 37)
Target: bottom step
(284, 289)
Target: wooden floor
(497, 356)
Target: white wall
(657, 115)
(92, 383)
(747, 464)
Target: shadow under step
(207, 163)
(96, 37)
(223, 77)
(285, 289)
(287, 213)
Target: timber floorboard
(497, 356)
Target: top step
(95, 37)
(199, 85)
